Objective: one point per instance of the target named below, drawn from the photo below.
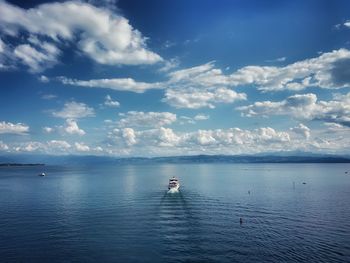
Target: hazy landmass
(35, 160)
(22, 164)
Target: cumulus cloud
(49, 147)
(315, 72)
(3, 146)
(206, 86)
(146, 119)
(201, 117)
(109, 102)
(73, 128)
(193, 88)
(198, 87)
(11, 128)
(31, 146)
(228, 141)
(102, 35)
(302, 130)
(58, 144)
(129, 136)
(329, 70)
(6, 56)
(336, 127)
(121, 84)
(48, 129)
(304, 106)
(54, 147)
(169, 65)
(37, 58)
(186, 120)
(195, 98)
(74, 110)
(81, 147)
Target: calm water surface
(123, 213)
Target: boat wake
(173, 191)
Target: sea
(222, 213)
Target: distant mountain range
(280, 157)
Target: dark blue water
(124, 214)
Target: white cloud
(98, 149)
(304, 106)
(167, 137)
(347, 23)
(44, 79)
(81, 147)
(73, 128)
(121, 84)
(39, 58)
(329, 70)
(129, 136)
(3, 146)
(48, 129)
(104, 36)
(74, 110)
(109, 102)
(280, 59)
(58, 145)
(201, 117)
(48, 96)
(203, 75)
(186, 120)
(336, 127)
(207, 86)
(11, 128)
(198, 87)
(302, 130)
(325, 71)
(163, 141)
(146, 119)
(30, 147)
(230, 141)
(195, 98)
(169, 65)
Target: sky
(161, 78)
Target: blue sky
(156, 78)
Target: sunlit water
(123, 213)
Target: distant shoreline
(21, 164)
(41, 160)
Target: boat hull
(174, 188)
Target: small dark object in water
(304, 183)
(249, 192)
(346, 172)
(241, 220)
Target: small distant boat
(174, 184)
(42, 174)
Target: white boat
(42, 174)
(173, 184)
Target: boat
(42, 174)
(173, 184)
